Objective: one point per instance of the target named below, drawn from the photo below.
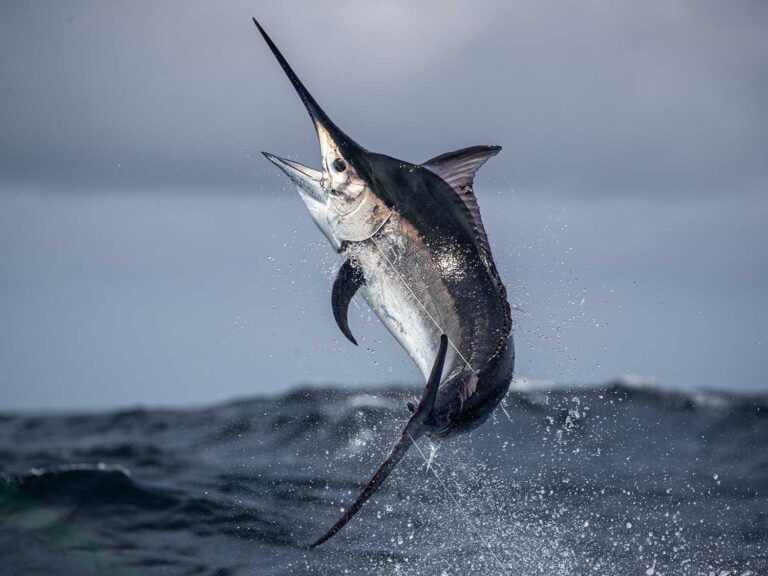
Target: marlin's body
(424, 277)
(414, 246)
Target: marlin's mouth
(308, 180)
(336, 148)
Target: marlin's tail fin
(412, 431)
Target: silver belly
(405, 290)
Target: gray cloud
(627, 211)
(596, 97)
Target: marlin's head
(339, 197)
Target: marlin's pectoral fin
(412, 431)
(348, 281)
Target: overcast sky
(149, 254)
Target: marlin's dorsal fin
(458, 170)
(348, 281)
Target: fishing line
(421, 304)
(458, 507)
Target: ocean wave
(85, 486)
(99, 490)
(590, 469)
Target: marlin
(414, 246)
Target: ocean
(617, 479)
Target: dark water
(611, 480)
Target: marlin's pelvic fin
(412, 431)
(348, 281)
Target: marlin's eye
(339, 165)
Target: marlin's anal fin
(468, 388)
(412, 431)
(348, 281)
(428, 397)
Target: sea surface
(619, 479)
